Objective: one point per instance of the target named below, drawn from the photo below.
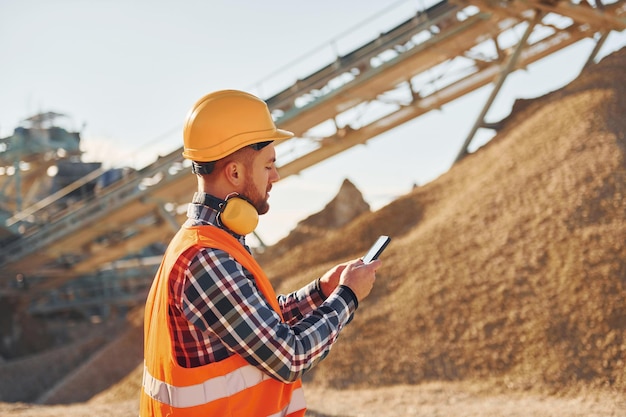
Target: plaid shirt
(216, 310)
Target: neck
(214, 188)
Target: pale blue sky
(130, 70)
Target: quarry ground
(430, 399)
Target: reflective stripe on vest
(210, 390)
(214, 389)
(297, 404)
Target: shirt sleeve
(298, 304)
(220, 297)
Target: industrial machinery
(89, 225)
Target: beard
(258, 200)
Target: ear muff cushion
(239, 216)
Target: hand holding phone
(376, 249)
(360, 278)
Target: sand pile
(511, 266)
(508, 272)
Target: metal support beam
(261, 242)
(52, 198)
(510, 65)
(18, 185)
(596, 49)
(164, 214)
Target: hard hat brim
(221, 150)
(282, 134)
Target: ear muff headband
(236, 213)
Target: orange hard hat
(224, 121)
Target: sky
(126, 73)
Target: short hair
(244, 154)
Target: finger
(375, 264)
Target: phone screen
(376, 249)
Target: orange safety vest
(231, 387)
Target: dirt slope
(511, 265)
(102, 371)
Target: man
(218, 341)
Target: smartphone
(376, 249)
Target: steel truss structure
(432, 58)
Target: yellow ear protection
(236, 212)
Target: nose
(274, 176)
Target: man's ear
(233, 171)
